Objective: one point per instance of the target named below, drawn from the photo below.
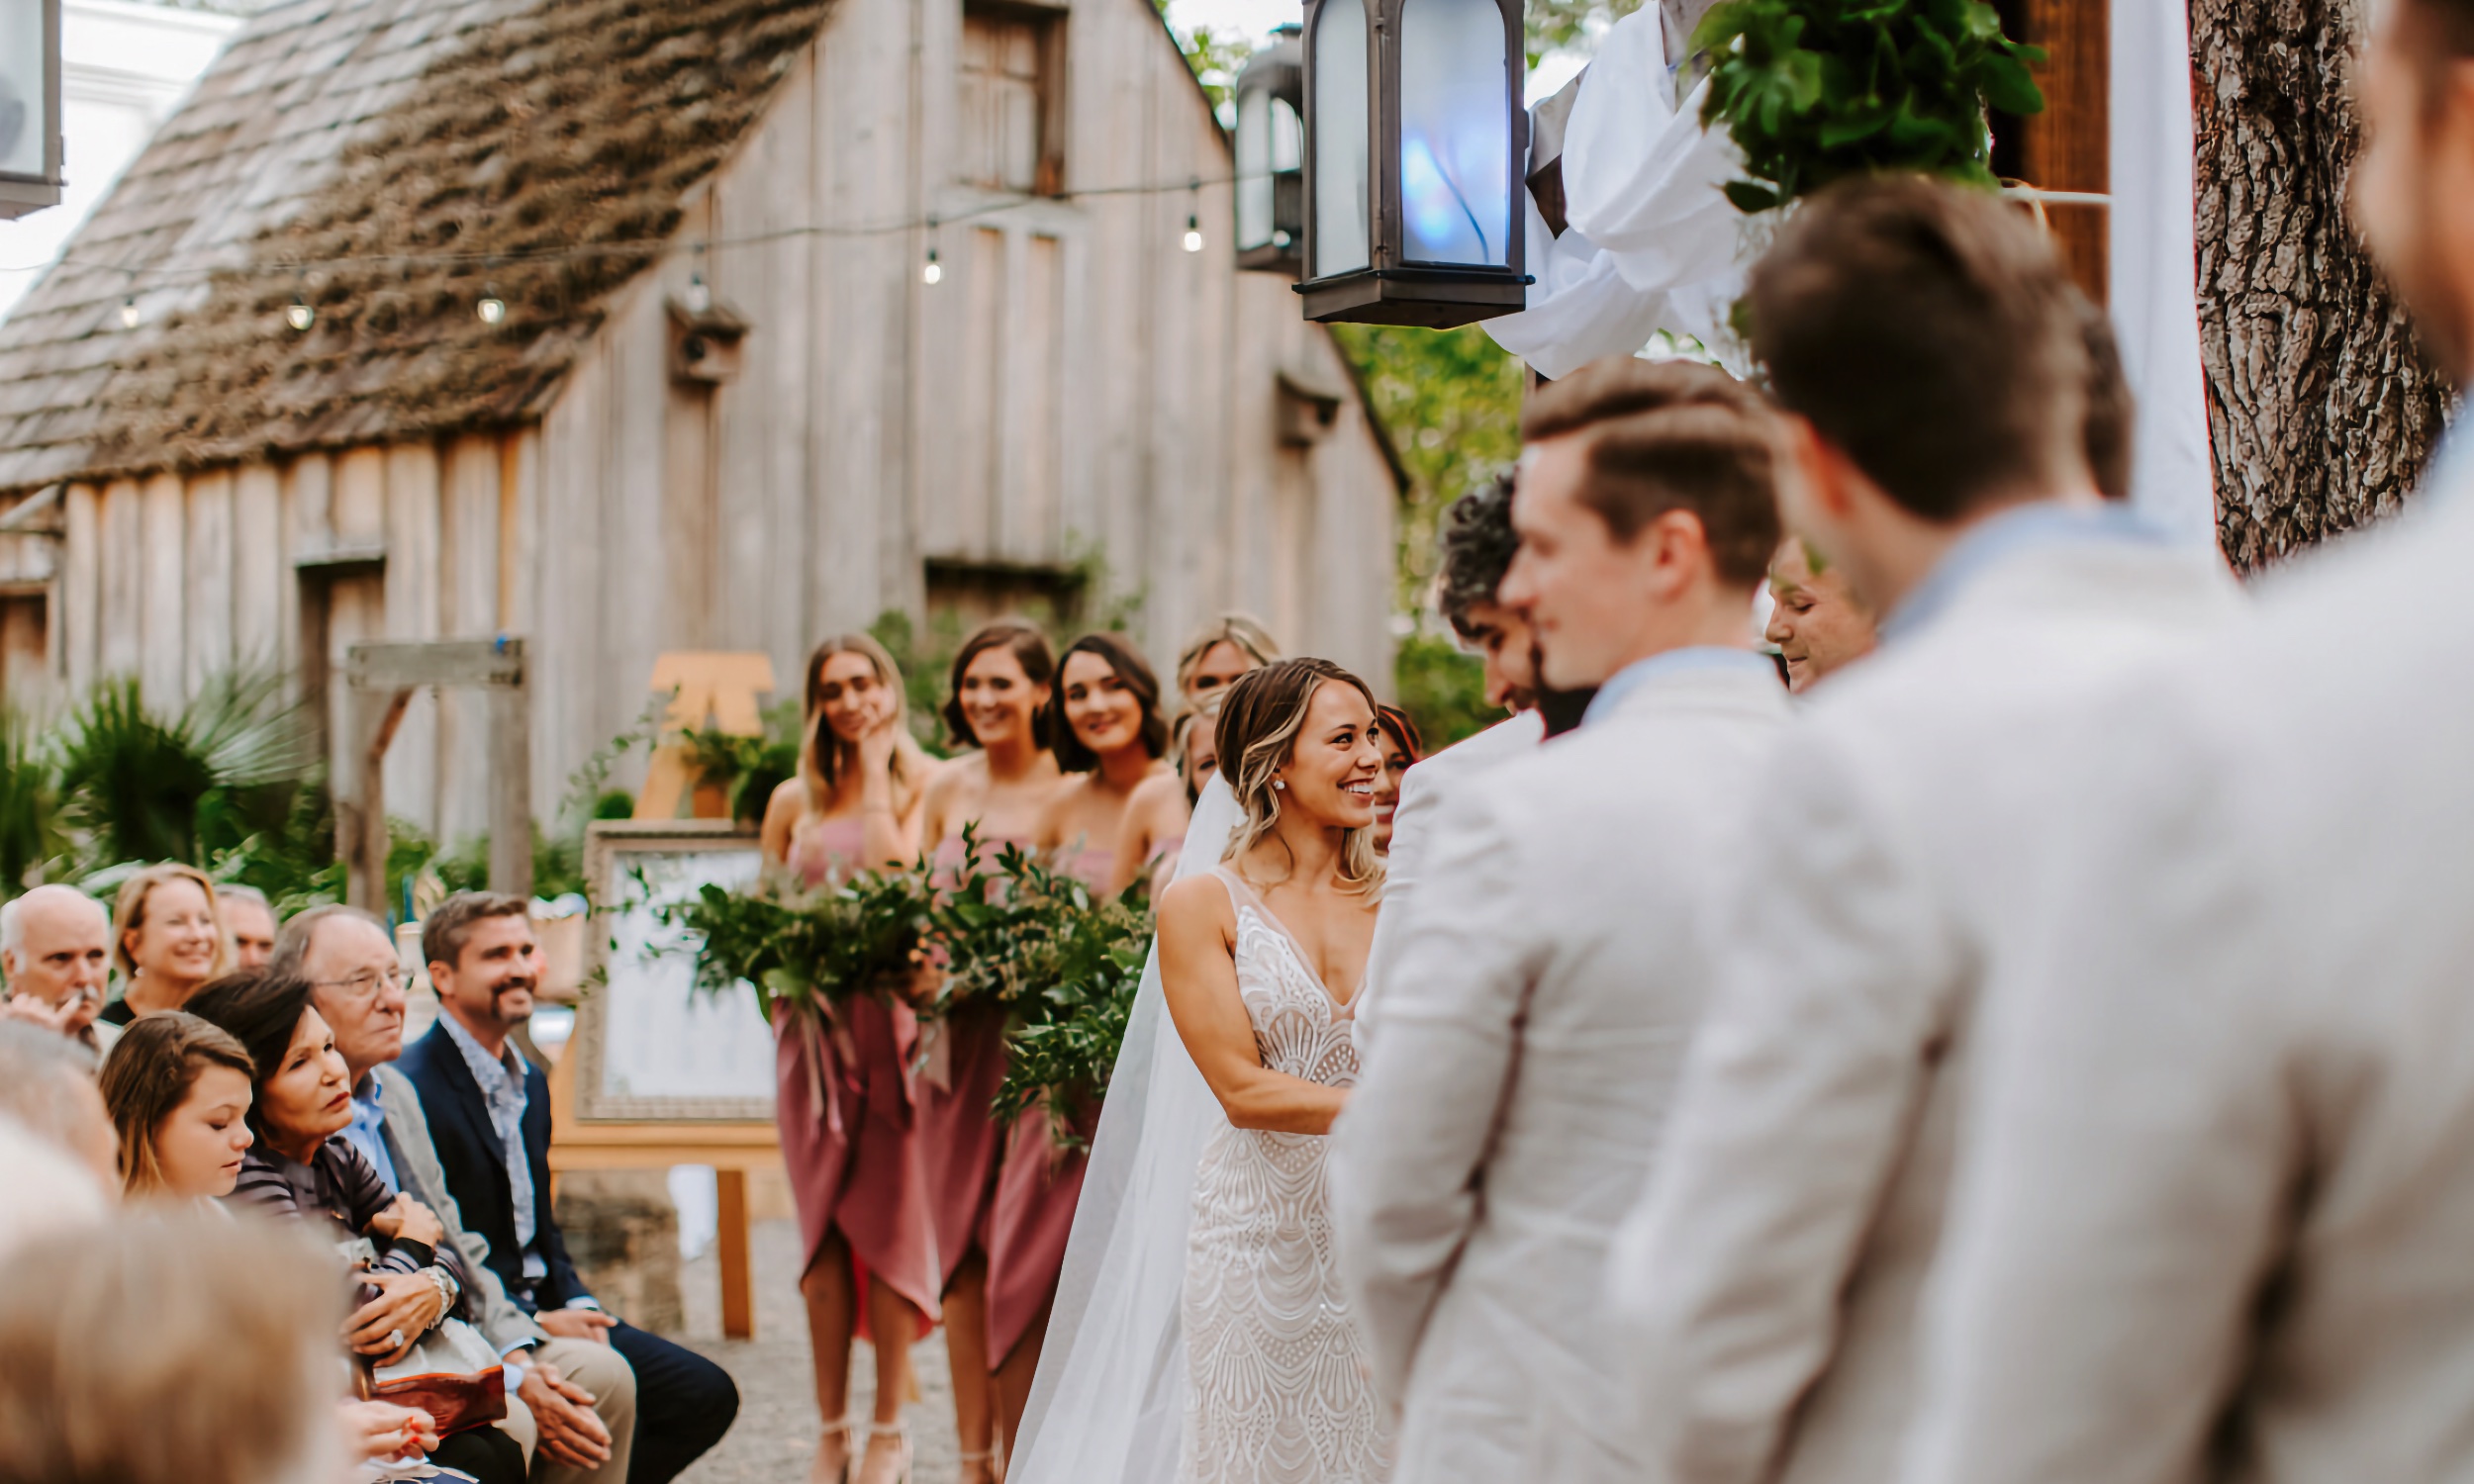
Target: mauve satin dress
(1037, 1186)
(850, 1119)
(958, 1137)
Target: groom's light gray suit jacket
(1550, 971)
(1769, 1284)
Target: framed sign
(648, 1045)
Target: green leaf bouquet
(1815, 90)
(812, 947)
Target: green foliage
(31, 832)
(1216, 56)
(1565, 25)
(1443, 690)
(924, 661)
(749, 768)
(1451, 399)
(1816, 90)
(812, 949)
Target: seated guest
(1816, 619)
(46, 1083)
(574, 1405)
(167, 939)
(250, 920)
(489, 1116)
(55, 947)
(193, 1349)
(302, 1168)
(178, 1090)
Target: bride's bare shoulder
(1194, 904)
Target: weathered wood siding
(1077, 387)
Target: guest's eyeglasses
(362, 986)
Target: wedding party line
(1930, 981)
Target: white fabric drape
(1110, 1394)
(2154, 266)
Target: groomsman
(1930, 358)
(1552, 965)
(1477, 547)
(2215, 1217)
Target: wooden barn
(611, 323)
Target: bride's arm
(1199, 976)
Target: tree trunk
(2320, 406)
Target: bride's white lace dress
(1280, 1391)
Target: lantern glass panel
(1254, 168)
(1288, 138)
(22, 111)
(1342, 241)
(1456, 133)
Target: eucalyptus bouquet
(1815, 90)
(812, 947)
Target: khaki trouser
(602, 1371)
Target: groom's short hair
(1669, 435)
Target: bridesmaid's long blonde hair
(825, 755)
(1260, 723)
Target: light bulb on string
(1193, 217)
(299, 314)
(933, 272)
(698, 297)
(492, 309)
(129, 313)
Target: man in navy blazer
(489, 1114)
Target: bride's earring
(1279, 783)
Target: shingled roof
(383, 159)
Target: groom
(1550, 966)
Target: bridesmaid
(1227, 648)
(168, 939)
(845, 1103)
(1002, 686)
(1111, 737)
(1155, 816)
(1402, 746)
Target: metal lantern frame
(1394, 289)
(1277, 73)
(22, 192)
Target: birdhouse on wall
(705, 339)
(1308, 407)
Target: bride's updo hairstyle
(1260, 723)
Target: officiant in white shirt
(1926, 348)
(2214, 1219)
(1552, 965)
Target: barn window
(1012, 133)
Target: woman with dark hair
(1402, 747)
(1002, 681)
(1111, 737)
(844, 1101)
(302, 1168)
(1262, 963)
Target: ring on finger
(395, 1339)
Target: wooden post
(380, 680)
(739, 1309)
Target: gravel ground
(774, 1439)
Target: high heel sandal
(986, 1458)
(848, 1457)
(877, 1429)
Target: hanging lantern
(1271, 157)
(29, 106)
(1414, 142)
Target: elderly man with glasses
(577, 1411)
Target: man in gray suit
(1552, 965)
(2216, 1219)
(574, 1407)
(1927, 351)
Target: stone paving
(774, 1439)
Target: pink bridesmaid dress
(958, 1134)
(1036, 1191)
(849, 1120)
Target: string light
(299, 314)
(492, 309)
(932, 274)
(1193, 217)
(129, 313)
(698, 297)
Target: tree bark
(2320, 406)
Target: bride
(1199, 1332)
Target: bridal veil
(1111, 1395)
